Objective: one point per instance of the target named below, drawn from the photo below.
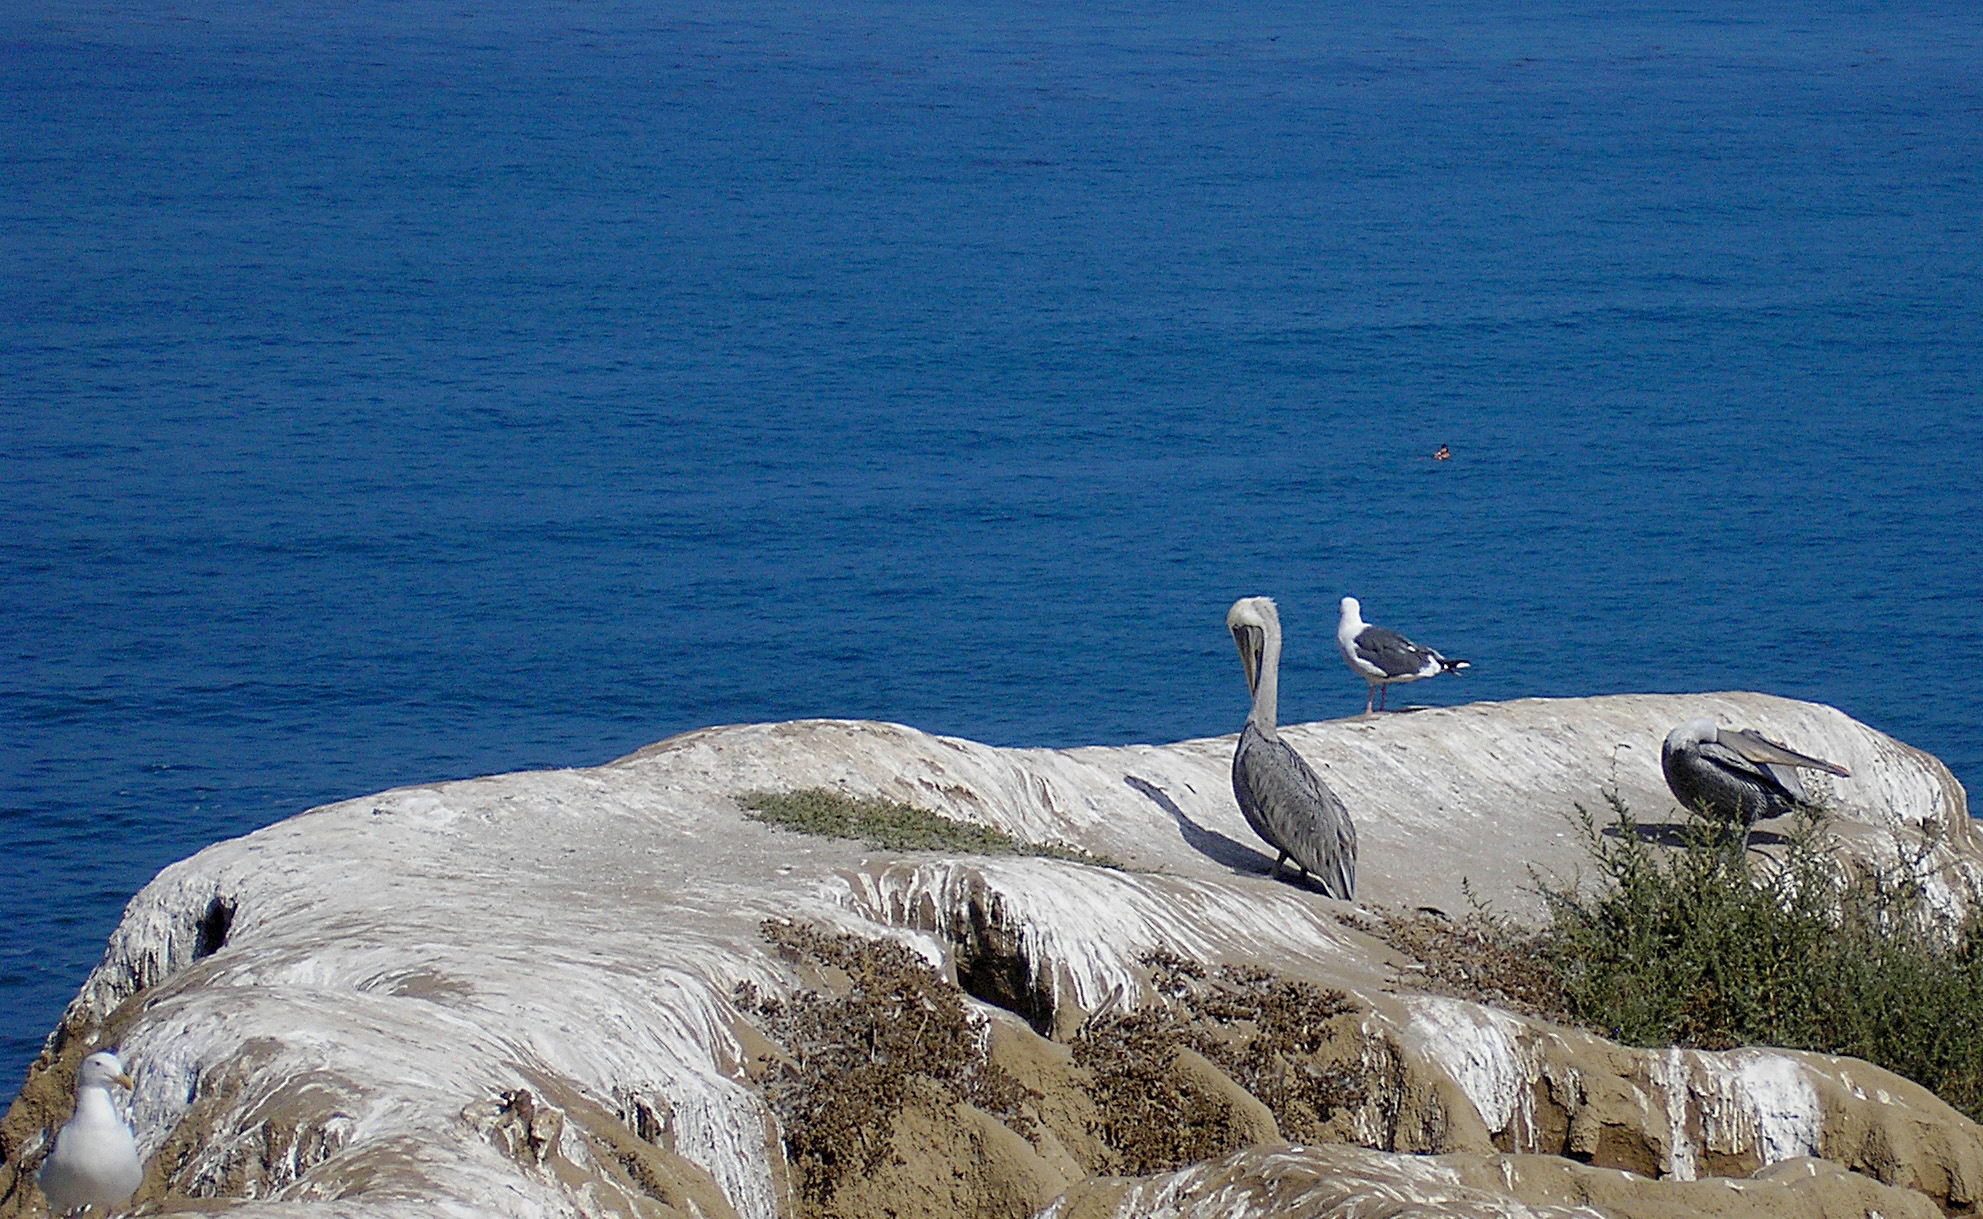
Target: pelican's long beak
(1769, 753)
(1251, 641)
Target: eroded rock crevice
(210, 935)
(993, 965)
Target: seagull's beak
(128, 1082)
(1250, 640)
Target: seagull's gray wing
(1392, 652)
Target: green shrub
(895, 826)
(1714, 945)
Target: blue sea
(392, 392)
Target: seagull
(1285, 802)
(1734, 774)
(95, 1158)
(1381, 657)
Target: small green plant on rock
(1694, 946)
(895, 826)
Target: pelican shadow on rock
(1679, 834)
(1214, 845)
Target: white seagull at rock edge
(1381, 657)
(95, 1158)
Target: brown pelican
(95, 1159)
(1283, 800)
(1734, 774)
(1381, 657)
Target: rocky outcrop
(520, 995)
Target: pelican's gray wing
(1246, 764)
(1732, 763)
(1710, 774)
(1765, 752)
(1779, 762)
(1289, 806)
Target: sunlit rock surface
(514, 995)
(1318, 1182)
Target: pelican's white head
(1251, 620)
(100, 1070)
(1693, 732)
(1252, 611)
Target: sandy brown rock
(1060, 1105)
(1794, 1189)
(951, 1160)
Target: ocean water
(394, 392)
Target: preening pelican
(95, 1159)
(1734, 774)
(1283, 800)
(1381, 657)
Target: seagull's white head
(100, 1070)
(1352, 613)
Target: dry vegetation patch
(1293, 1046)
(1229, 1056)
(1480, 957)
(896, 1031)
